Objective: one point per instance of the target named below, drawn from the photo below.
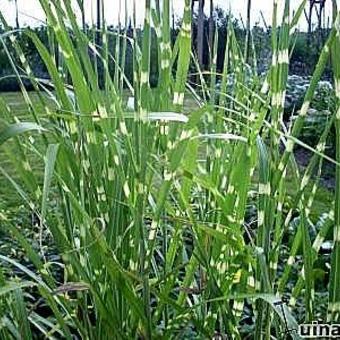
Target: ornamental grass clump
(148, 208)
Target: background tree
(211, 29)
(99, 10)
(200, 33)
(317, 6)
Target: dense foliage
(299, 64)
(180, 214)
